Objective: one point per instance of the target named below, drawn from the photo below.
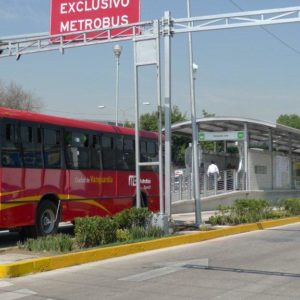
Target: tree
(206, 114)
(149, 121)
(14, 96)
(289, 120)
(210, 146)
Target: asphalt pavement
(259, 265)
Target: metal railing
(227, 181)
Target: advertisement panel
(68, 16)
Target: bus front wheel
(46, 223)
(47, 218)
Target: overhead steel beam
(44, 42)
(237, 20)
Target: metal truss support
(147, 53)
(43, 42)
(237, 20)
(168, 111)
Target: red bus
(55, 169)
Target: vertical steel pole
(168, 106)
(246, 146)
(137, 127)
(272, 158)
(292, 185)
(160, 141)
(196, 181)
(117, 52)
(117, 87)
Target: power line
(269, 32)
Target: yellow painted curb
(71, 259)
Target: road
(257, 265)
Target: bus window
(121, 163)
(77, 150)
(96, 155)
(108, 152)
(151, 150)
(143, 151)
(148, 154)
(52, 153)
(11, 151)
(31, 146)
(129, 153)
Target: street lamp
(193, 70)
(117, 52)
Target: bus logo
(132, 180)
(144, 181)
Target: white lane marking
(18, 294)
(4, 284)
(169, 269)
(151, 274)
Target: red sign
(69, 16)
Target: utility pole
(117, 52)
(195, 165)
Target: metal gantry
(21, 45)
(44, 42)
(237, 20)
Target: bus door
(89, 186)
(31, 148)
(125, 159)
(22, 172)
(54, 176)
(109, 176)
(12, 173)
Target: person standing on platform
(213, 174)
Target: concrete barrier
(212, 202)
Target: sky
(244, 72)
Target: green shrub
(252, 210)
(123, 219)
(137, 233)
(140, 217)
(133, 217)
(242, 211)
(123, 235)
(95, 231)
(292, 206)
(154, 232)
(50, 243)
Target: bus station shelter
(264, 158)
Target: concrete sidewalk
(189, 218)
